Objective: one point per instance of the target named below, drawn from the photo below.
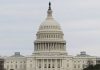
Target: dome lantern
(49, 12)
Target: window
(24, 66)
(21, 66)
(7, 66)
(78, 61)
(30, 65)
(39, 65)
(49, 66)
(47, 36)
(78, 66)
(84, 66)
(67, 60)
(11, 69)
(16, 66)
(45, 66)
(67, 65)
(24, 62)
(58, 65)
(53, 66)
(74, 66)
(11, 66)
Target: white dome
(49, 24)
(50, 36)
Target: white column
(63, 64)
(34, 46)
(56, 64)
(61, 46)
(60, 64)
(37, 47)
(64, 46)
(51, 64)
(56, 46)
(48, 47)
(45, 46)
(43, 64)
(47, 64)
(36, 64)
(40, 46)
(52, 46)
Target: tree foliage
(93, 67)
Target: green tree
(93, 67)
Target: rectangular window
(45, 66)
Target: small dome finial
(49, 5)
(49, 12)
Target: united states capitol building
(49, 51)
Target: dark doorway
(11, 69)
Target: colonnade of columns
(50, 36)
(48, 64)
(50, 47)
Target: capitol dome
(50, 24)
(49, 36)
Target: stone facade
(49, 51)
(1, 64)
(15, 62)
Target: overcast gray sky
(20, 19)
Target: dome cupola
(49, 36)
(50, 23)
